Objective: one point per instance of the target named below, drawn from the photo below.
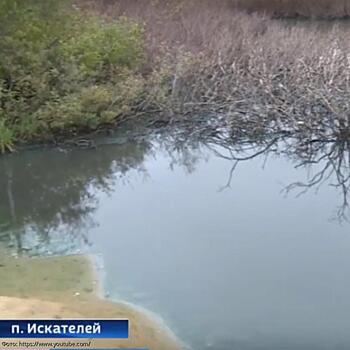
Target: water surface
(243, 266)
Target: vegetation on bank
(258, 73)
(298, 8)
(327, 9)
(61, 71)
(64, 70)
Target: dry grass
(295, 8)
(279, 8)
(203, 25)
(261, 73)
(172, 23)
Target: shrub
(61, 70)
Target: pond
(223, 255)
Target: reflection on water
(213, 238)
(47, 199)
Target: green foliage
(105, 45)
(6, 137)
(63, 71)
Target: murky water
(238, 265)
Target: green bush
(63, 71)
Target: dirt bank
(64, 287)
(144, 332)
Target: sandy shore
(64, 287)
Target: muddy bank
(63, 287)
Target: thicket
(325, 9)
(65, 71)
(62, 71)
(256, 72)
(298, 8)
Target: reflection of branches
(236, 160)
(61, 189)
(322, 147)
(330, 159)
(334, 166)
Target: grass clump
(6, 137)
(62, 71)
